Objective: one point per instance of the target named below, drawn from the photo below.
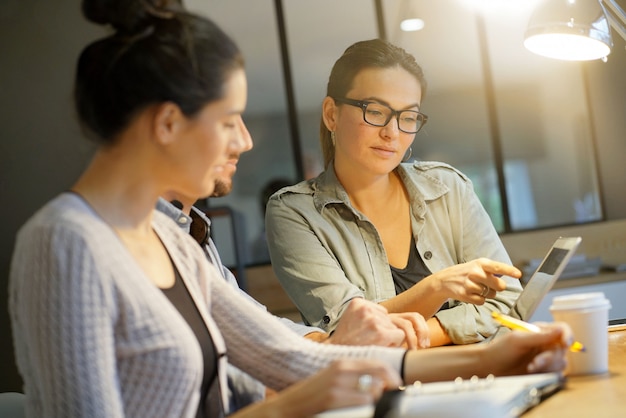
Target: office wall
(42, 151)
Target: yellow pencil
(517, 324)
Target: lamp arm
(616, 17)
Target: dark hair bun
(127, 15)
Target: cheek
(407, 140)
(358, 137)
(201, 159)
(212, 146)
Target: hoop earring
(332, 137)
(407, 157)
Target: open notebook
(492, 397)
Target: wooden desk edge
(601, 395)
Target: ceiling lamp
(575, 30)
(410, 22)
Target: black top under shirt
(210, 400)
(414, 272)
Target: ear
(167, 122)
(329, 113)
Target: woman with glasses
(412, 236)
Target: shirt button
(428, 255)
(326, 319)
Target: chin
(222, 188)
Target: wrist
(319, 337)
(435, 288)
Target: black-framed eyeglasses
(377, 114)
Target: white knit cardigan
(94, 337)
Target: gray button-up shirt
(325, 252)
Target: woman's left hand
(520, 352)
(344, 383)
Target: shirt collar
(196, 223)
(177, 215)
(420, 185)
(327, 189)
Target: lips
(232, 164)
(385, 151)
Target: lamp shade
(576, 30)
(410, 18)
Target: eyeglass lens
(377, 114)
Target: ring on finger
(485, 291)
(364, 384)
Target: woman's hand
(473, 281)
(368, 323)
(470, 282)
(416, 330)
(343, 384)
(520, 352)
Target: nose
(246, 138)
(392, 129)
(240, 141)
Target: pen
(517, 324)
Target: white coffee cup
(587, 314)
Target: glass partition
(545, 128)
(318, 33)
(517, 124)
(495, 110)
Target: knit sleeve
(57, 297)
(260, 344)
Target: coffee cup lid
(580, 301)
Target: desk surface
(592, 396)
(603, 277)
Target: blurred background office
(543, 140)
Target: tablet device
(544, 277)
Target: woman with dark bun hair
(115, 310)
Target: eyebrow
(236, 112)
(386, 103)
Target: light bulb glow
(569, 47)
(412, 25)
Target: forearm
(438, 335)
(319, 337)
(425, 298)
(272, 407)
(259, 344)
(445, 363)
